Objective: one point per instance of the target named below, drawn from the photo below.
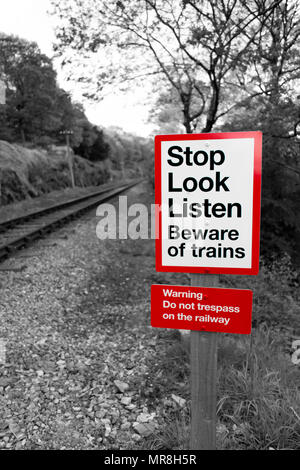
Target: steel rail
(6, 224)
(20, 231)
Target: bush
(275, 292)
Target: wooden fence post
(203, 379)
(70, 161)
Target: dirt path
(83, 367)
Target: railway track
(18, 232)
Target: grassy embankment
(29, 173)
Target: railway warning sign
(201, 308)
(207, 193)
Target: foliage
(130, 154)
(201, 51)
(93, 145)
(275, 292)
(210, 65)
(280, 218)
(259, 399)
(258, 395)
(36, 109)
(31, 172)
(31, 87)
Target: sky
(29, 19)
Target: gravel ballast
(80, 355)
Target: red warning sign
(201, 308)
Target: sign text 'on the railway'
(201, 308)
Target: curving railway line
(18, 232)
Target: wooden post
(2, 102)
(70, 162)
(203, 379)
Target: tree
(218, 64)
(276, 61)
(93, 145)
(165, 111)
(31, 87)
(36, 108)
(193, 47)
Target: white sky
(29, 19)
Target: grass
(259, 398)
(29, 173)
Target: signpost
(2, 101)
(2, 92)
(207, 195)
(67, 133)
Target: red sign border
(257, 136)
